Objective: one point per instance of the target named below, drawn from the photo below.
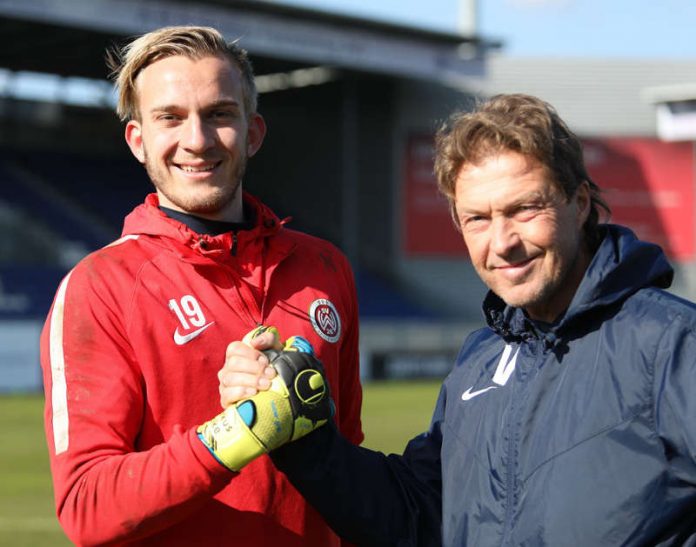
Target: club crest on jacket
(325, 319)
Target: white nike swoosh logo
(468, 394)
(180, 340)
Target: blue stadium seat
(26, 291)
(379, 299)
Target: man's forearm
(133, 495)
(366, 497)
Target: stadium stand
(80, 201)
(332, 158)
(118, 184)
(380, 299)
(24, 189)
(26, 291)
(56, 207)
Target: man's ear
(255, 133)
(583, 200)
(134, 138)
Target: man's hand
(297, 402)
(247, 369)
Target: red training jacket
(130, 353)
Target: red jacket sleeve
(106, 491)
(349, 362)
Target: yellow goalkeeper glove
(297, 403)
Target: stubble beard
(551, 292)
(210, 203)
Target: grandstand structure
(342, 97)
(637, 121)
(352, 106)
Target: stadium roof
(680, 92)
(69, 37)
(597, 97)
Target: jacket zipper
(255, 314)
(515, 426)
(510, 483)
(233, 248)
(520, 378)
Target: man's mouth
(202, 168)
(510, 265)
(515, 269)
(513, 265)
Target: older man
(570, 419)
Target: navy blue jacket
(581, 433)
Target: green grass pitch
(393, 412)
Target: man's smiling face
(524, 236)
(193, 134)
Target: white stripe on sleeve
(59, 388)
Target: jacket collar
(621, 266)
(147, 219)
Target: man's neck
(205, 226)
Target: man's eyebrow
(215, 104)
(224, 102)
(534, 195)
(164, 108)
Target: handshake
(297, 402)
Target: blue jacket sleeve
(367, 497)
(675, 403)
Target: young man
(138, 330)
(568, 420)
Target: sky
(540, 28)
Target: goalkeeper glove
(297, 402)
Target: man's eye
(223, 115)
(474, 222)
(527, 209)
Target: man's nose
(504, 236)
(197, 135)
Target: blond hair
(190, 41)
